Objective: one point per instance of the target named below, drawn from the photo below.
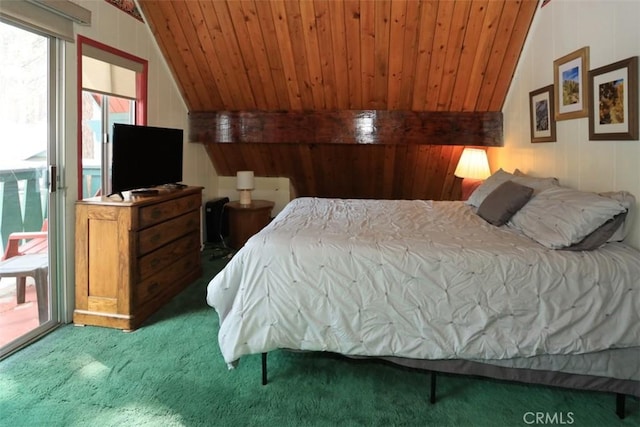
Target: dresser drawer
(154, 214)
(156, 260)
(165, 280)
(161, 234)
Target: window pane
(91, 143)
(99, 113)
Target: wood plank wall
(348, 153)
(420, 55)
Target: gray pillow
(629, 202)
(503, 202)
(498, 177)
(487, 186)
(600, 236)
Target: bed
(440, 285)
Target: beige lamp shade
(244, 184)
(473, 164)
(244, 180)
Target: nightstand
(247, 220)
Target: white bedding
(423, 280)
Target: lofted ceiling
(270, 83)
(429, 55)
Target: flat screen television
(144, 157)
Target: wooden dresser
(134, 255)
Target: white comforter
(419, 279)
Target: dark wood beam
(348, 127)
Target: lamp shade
(473, 164)
(244, 180)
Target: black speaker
(216, 221)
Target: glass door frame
(55, 234)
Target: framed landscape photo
(614, 96)
(542, 117)
(570, 81)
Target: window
(99, 113)
(113, 90)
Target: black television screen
(144, 157)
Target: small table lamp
(244, 184)
(473, 168)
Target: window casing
(115, 83)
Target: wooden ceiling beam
(347, 127)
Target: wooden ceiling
(429, 55)
(354, 57)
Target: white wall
(610, 29)
(166, 108)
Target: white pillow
(500, 177)
(560, 217)
(538, 184)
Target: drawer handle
(155, 238)
(156, 213)
(155, 263)
(153, 287)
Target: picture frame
(614, 97)
(127, 6)
(570, 80)
(542, 115)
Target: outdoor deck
(16, 319)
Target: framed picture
(614, 96)
(542, 117)
(570, 81)
(127, 6)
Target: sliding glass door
(28, 76)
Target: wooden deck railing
(23, 193)
(22, 200)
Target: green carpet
(170, 373)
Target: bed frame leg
(620, 401)
(264, 368)
(432, 397)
